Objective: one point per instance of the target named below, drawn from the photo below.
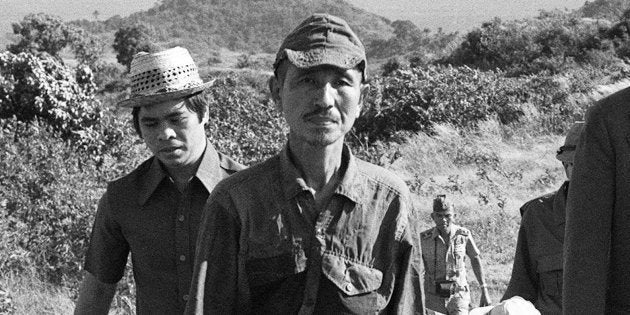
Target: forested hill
(240, 25)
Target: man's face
(443, 220)
(173, 133)
(320, 104)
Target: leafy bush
(552, 42)
(415, 99)
(246, 128)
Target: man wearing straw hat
(537, 271)
(313, 230)
(154, 212)
(444, 250)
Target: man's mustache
(322, 111)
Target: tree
(40, 88)
(40, 32)
(47, 33)
(130, 40)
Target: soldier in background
(537, 271)
(444, 251)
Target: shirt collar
(435, 232)
(293, 182)
(209, 173)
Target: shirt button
(348, 287)
(182, 258)
(181, 218)
(185, 297)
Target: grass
(29, 295)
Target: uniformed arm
(217, 287)
(524, 279)
(589, 218)
(95, 297)
(475, 261)
(408, 296)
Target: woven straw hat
(166, 75)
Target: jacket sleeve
(217, 286)
(408, 296)
(524, 279)
(588, 221)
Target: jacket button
(185, 297)
(181, 218)
(182, 258)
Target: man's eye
(177, 120)
(342, 82)
(149, 124)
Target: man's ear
(365, 89)
(274, 89)
(206, 116)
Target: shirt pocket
(262, 271)
(350, 277)
(550, 274)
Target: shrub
(415, 99)
(245, 127)
(551, 42)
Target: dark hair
(196, 103)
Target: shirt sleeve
(408, 296)
(219, 285)
(524, 279)
(590, 207)
(107, 253)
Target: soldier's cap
(323, 39)
(440, 205)
(566, 153)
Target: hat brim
(319, 57)
(566, 156)
(144, 100)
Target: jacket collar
(209, 173)
(350, 184)
(559, 203)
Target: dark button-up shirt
(145, 214)
(264, 249)
(537, 271)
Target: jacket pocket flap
(350, 277)
(549, 263)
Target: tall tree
(130, 40)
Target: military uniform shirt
(264, 249)
(537, 272)
(446, 259)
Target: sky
(450, 15)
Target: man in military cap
(154, 211)
(537, 271)
(312, 230)
(444, 251)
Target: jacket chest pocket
(357, 282)
(550, 274)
